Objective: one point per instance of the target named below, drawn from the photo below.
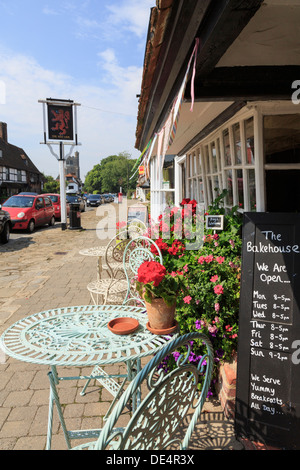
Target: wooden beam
(251, 83)
(223, 24)
(176, 48)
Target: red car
(29, 211)
(55, 198)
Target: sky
(88, 51)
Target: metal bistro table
(79, 337)
(99, 252)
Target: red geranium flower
(151, 271)
(161, 245)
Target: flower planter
(161, 316)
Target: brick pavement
(42, 272)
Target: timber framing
(217, 24)
(250, 83)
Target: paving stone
(15, 429)
(30, 443)
(19, 398)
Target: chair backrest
(137, 251)
(136, 225)
(113, 257)
(175, 400)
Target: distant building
(72, 165)
(74, 185)
(17, 172)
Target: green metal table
(78, 337)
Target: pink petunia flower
(214, 278)
(218, 289)
(187, 299)
(220, 259)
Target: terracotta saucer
(123, 325)
(162, 332)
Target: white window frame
(208, 173)
(157, 192)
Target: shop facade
(238, 127)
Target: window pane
(168, 173)
(214, 157)
(237, 143)
(218, 153)
(168, 198)
(229, 197)
(227, 152)
(239, 180)
(206, 157)
(216, 185)
(251, 189)
(209, 189)
(190, 166)
(201, 190)
(249, 135)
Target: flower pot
(161, 316)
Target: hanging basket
(161, 316)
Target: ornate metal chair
(168, 413)
(121, 266)
(136, 252)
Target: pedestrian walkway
(44, 271)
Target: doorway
(282, 162)
(283, 190)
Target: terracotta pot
(160, 315)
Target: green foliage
(111, 173)
(212, 278)
(93, 180)
(51, 185)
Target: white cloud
(103, 131)
(49, 11)
(131, 14)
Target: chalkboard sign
(214, 222)
(138, 213)
(268, 368)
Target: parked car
(55, 198)
(28, 212)
(78, 199)
(5, 226)
(27, 193)
(108, 198)
(94, 200)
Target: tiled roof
(15, 157)
(156, 31)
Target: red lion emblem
(62, 119)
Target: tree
(93, 180)
(112, 172)
(51, 185)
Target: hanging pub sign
(60, 121)
(268, 367)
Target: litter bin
(75, 216)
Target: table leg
(55, 399)
(133, 368)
